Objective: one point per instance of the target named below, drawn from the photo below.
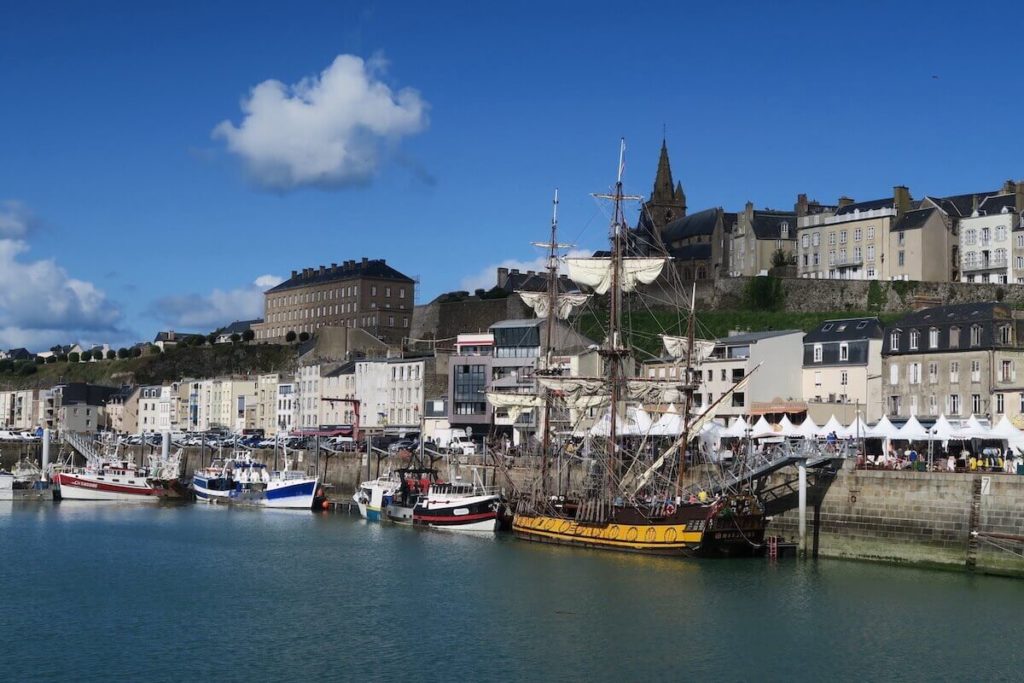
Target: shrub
(764, 293)
(304, 337)
(248, 335)
(123, 353)
(39, 360)
(51, 359)
(290, 337)
(111, 354)
(136, 352)
(74, 357)
(235, 338)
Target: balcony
(985, 264)
(848, 262)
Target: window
(894, 405)
(975, 335)
(915, 337)
(986, 236)
(817, 353)
(871, 233)
(1005, 334)
(1000, 408)
(832, 258)
(805, 241)
(784, 230)
(975, 403)
(933, 338)
(844, 378)
(975, 370)
(817, 378)
(954, 337)
(914, 373)
(856, 254)
(970, 237)
(738, 398)
(844, 351)
(932, 405)
(387, 292)
(954, 372)
(1020, 263)
(856, 235)
(933, 372)
(401, 293)
(871, 253)
(842, 237)
(831, 239)
(1000, 233)
(816, 239)
(373, 290)
(901, 238)
(816, 259)
(894, 374)
(1006, 371)
(894, 341)
(953, 404)
(900, 260)
(913, 404)
(1020, 241)
(871, 273)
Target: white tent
(1004, 429)
(737, 430)
(883, 429)
(942, 430)
(856, 429)
(637, 423)
(913, 431)
(762, 429)
(972, 429)
(833, 425)
(669, 424)
(808, 429)
(787, 428)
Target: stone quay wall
(918, 518)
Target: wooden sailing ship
(634, 498)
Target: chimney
(1020, 196)
(845, 201)
(974, 205)
(295, 274)
(748, 211)
(901, 199)
(365, 260)
(502, 277)
(323, 270)
(1009, 187)
(801, 205)
(334, 266)
(515, 271)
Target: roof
(692, 252)
(846, 329)
(767, 225)
(970, 312)
(693, 225)
(886, 203)
(525, 322)
(172, 336)
(531, 281)
(754, 337)
(995, 205)
(912, 220)
(961, 205)
(349, 270)
(239, 326)
(346, 368)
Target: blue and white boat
(241, 480)
(214, 483)
(372, 497)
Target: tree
(779, 258)
(86, 356)
(6, 365)
(211, 338)
(26, 368)
(51, 359)
(63, 358)
(248, 335)
(136, 352)
(290, 337)
(123, 353)
(111, 354)
(235, 337)
(74, 357)
(39, 360)
(304, 337)
(197, 340)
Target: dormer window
(954, 337)
(894, 340)
(915, 337)
(826, 327)
(844, 352)
(862, 324)
(784, 230)
(933, 338)
(1005, 334)
(817, 353)
(975, 335)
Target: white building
(987, 242)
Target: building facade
(992, 241)
(367, 294)
(842, 365)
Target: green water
(98, 592)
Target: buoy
(326, 505)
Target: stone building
(759, 234)
(957, 360)
(699, 243)
(367, 294)
(666, 203)
(991, 238)
(842, 365)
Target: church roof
(694, 225)
(767, 225)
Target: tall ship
(631, 492)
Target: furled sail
(678, 347)
(597, 272)
(636, 389)
(515, 404)
(564, 303)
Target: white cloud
(324, 131)
(40, 304)
(488, 276)
(206, 312)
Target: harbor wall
(917, 518)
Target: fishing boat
(459, 506)
(213, 483)
(255, 484)
(373, 496)
(119, 480)
(632, 495)
(23, 479)
(413, 485)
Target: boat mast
(687, 392)
(548, 343)
(615, 318)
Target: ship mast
(687, 392)
(548, 342)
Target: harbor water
(99, 592)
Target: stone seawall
(921, 518)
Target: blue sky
(121, 212)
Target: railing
(985, 265)
(81, 444)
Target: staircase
(80, 443)
(975, 518)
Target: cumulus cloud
(206, 312)
(487, 277)
(325, 131)
(40, 303)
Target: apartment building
(339, 383)
(285, 407)
(992, 239)
(367, 294)
(842, 365)
(956, 360)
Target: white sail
(678, 347)
(564, 303)
(597, 272)
(636, 389)
(515, 404)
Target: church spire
(663, 180)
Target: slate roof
(748, 337)
(692, 252)
(847, 329)
(962, 204)
(886, 203)
(346, 368)
(350, 270)
(995, 205)
(172, 336)
(239, 326)
(767, 225)
(693, 225)
(20, 353)
(953, 313)
(912, 220)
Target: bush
(765, 293)
(877, 297)
(304, 337)
(211, 339)
(248, 335)
(86, 356)
(51, 360)
(63, 358)
(39, 360)
(235, 338)
(290, 337)
(6, 365)
(74, 357)
(123, 353)
(198, 340)
(136, 352)
(111, 354)
(26, 368)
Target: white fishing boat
(111, 481)
(459, 506)
(373, 496)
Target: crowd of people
(947, 459)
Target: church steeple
(663, 180)
(667, 202)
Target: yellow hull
(655, 539)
